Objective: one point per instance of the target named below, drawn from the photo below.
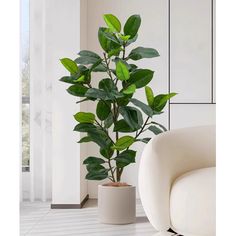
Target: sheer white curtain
(54, 33)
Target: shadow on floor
(141, 219)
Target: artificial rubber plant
(117, 111)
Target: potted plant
(118, 112)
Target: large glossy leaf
(99, 68)
(107, 152)
(85, 128)
(132, 116)
(130, 89)
(122, 71)
(85, 139)
(112, 22)
(70, 65)
(97, 175)
(161, 100)
(149, 95)
(125, 158)
(141, 77)
(103, 109)
(107, 41)
(132, 25)
(123, 127)
(101, 94)
(107, 85)
(144, 140)
(99, 137)
(85, 117)
(155, 129)
(145, 108)
(87, 57)
(87, 53)
(123, 143)
(94, 167)
(68, 79)
(132, 40)
(108, 121)
(93, 160)
(141, 52)
(77, 90)
(163, 127)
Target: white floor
(38, 219)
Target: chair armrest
(165, 158)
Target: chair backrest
(166, 157)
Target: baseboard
(70, 206)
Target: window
(25, 76)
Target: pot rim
(115, 187)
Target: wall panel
(191, 50)
(183, 115)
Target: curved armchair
(167, 157)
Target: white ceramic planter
(116, 205)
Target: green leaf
(155, 130)
(141, 52)
(100, 138)
(103, 109)
(70, 65)
(97, 175)
(85, 139)
(123, 127)
(122, 71)
(85, 127)
(149, 95)
(108, 121)
(124, 37)
(107, 41)
(132, 25)
(68, 79)
(93, 160)
(131, 40)
(145, 108)
(101, 94)
(85, 117)
(163, 127)
(130, 89)
(99, 68)
(77, 90)
(81, 79)
(112, 22)
(87, 53)
(85, 60)
(123, 143)
(107, 152)
(88, 57)
(161, 100)
(125, 158)
(132, 116)
(114, 52)
(141, 77)
(107, 85)
(94, 168)
(144, 140)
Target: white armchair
(177, 181)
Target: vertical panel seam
(169, 107)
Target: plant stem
(107, 64)
(145, 123)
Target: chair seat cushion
(192, 203)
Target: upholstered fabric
(192, 203)
(165, 158)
